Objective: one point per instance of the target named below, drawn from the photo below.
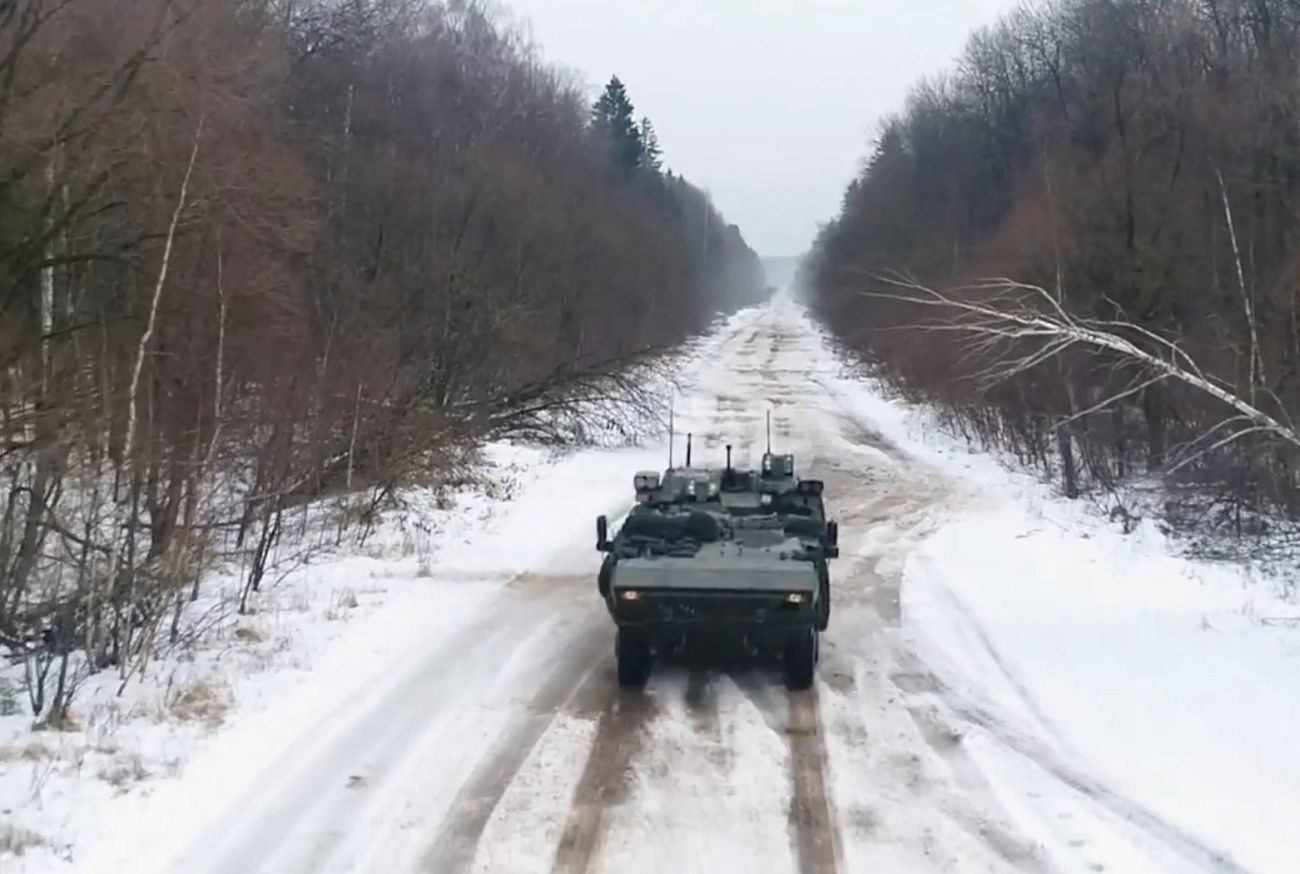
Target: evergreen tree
(651, 157)
(614, 115)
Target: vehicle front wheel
(823, 601)
(633, 654)
(801, 660)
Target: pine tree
(651, 157)
(614, 115)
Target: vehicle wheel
(801, 660)
(603, 578)
(823, 601)
(633, 654)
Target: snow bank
(328, 636)
(1174, 683)
(227, 705)
(184, 739)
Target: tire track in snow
(813, 823)
(985, 643)
(455, 847)
(605, 780)
(304, 812)
(811, 819)
(917, 677)
(702, 706)
(1180, 842)
(921, 678)
(972, 805)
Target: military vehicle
(720, 556)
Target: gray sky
(769, 104)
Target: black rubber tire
(801, 660)
(633, 655)
(823, 601)
(605, 576)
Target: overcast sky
(769, 104)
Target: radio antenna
(670, 434)
(769, 432)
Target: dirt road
(507, 747)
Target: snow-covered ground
(1164, 692)
(1009, 684)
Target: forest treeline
(1139, 162)
(257, 251)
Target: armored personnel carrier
(720, 555)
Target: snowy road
(500, 742)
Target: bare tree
(1135, 160)
(264, 253)
(1013, 327)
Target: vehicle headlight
(794, 598)
(630, 595)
